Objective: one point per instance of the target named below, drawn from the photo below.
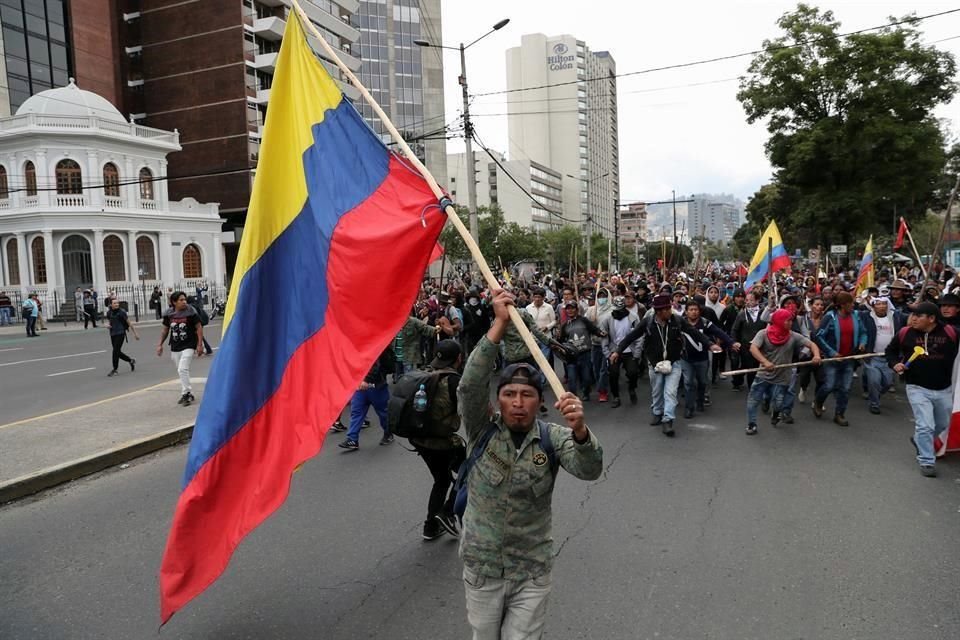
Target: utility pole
(616, 234)
(471, 161)
(673, 197)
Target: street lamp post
(467, 124)
(589, 215)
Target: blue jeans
(931, 413)
(694, 382)
(376, 397)
(790, 394)
(31, 325)
(759, 390)
(4, 316)
(601, 369)
(663, 392)
(837, 378)
(878, 377)
(579, 374)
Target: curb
(50, 477)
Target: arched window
(69, 177)
(4, 189)
(13, 261)
(192, 268)
(146, 184)
(30, 175)
(111, 180)
(145, 258)
(39, 261)
(113, 259)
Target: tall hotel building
(569, 124)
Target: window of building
(39, 261)
(30, 177)
(69, 177)
(146, 260)
(4, 189)
(146, 184)
(192, 267)
(111, 180)
(13, 262)
(113, 261)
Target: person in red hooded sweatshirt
(776, 344)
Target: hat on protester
(619, 303)
(521, 373)
(950, 299)
(880, 300)
(570, 304)
(665, 287)
(446, 354)
(662, 302)
(901, 284)
(926, 309)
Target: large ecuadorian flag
(763, 261)
(337, 237)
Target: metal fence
(58, 305)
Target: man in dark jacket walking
(373, 392)
(664, 343)
(746, 326)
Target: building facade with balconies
(84, 203)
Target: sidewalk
(20, 328)
(41, 452)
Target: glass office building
(35, 47)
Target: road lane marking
(14, 349)
(72, 355)
(91, 404)
(64, 373)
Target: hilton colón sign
(560, 60)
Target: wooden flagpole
(806, 363)
(940, 238)
(475, 252)
(915, 252)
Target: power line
(683, 65)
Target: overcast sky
(693, 138)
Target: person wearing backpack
(119, 324)
(505, 542)
(928, 377)
(443, 451)
(204, 320)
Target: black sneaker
(875, 410)
(928, 471)
(775, 418)
(191, 397)
(841, 420)
(366, 423)
(633, 397)
(387, 438)
(133, 364)
(349, 445)
(751, 429)
(787, 418)
(112, 373)
(449, 524)
(667, 428)
(431, 529)
(818, 409)
(185, 400)
(182, 399)
(338, 427)
(656, 420)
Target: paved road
(60, 370)
(809, 531)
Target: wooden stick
(916, 253)
(806, 363)
(475, 252)
(940, 238)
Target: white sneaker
(802, 396)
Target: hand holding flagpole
(451, 212)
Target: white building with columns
(83, 203)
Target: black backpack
(405, 422)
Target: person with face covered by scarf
(775, 345)
(617, 325)
(745, 327)
(597, 314)
(477, 316)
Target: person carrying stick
(775, 345)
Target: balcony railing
(113, 202)
(29, 202)
(81, 123)
(71, 200)
(5, 203)
(150, 205)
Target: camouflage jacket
(507, 524)
(410, 337)
(514, 348)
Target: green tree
(852, 130)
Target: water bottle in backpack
(420, 404)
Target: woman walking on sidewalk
(119, 325)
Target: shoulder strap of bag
(546, 443)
